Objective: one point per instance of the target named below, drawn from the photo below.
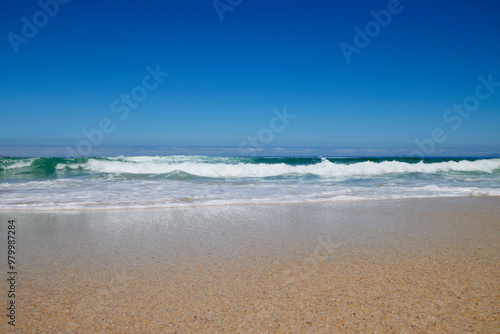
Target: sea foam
(325, 168)
(159, 182)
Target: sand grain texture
(414, 266)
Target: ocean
(39, 183)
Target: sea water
(40, 183)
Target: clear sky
(66, 68)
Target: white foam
(21, 164)
(84, 194)
(149, 165)
(357, 181)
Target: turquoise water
(164, 181)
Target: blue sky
(226, 76)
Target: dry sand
(404, 266)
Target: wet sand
(414, 266)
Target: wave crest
(325, 168)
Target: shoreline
(248, 204)
(414, 265)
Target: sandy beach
(405, 266)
